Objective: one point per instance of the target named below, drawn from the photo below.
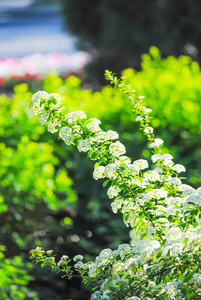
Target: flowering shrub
(162, 261)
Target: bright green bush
(34, 189)
(172, 89)
(14, 278)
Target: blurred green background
(48, 197)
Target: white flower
(93, 270)
(93, 127)
(166, 156)
(74, 116)
(63, 260)
(141, 164)
(138, 119)
(117, 149)
(175, 249)
(186, 189)
(110, 171)
(96, 296)
(105, 253)
(99, 172)
(111, 135)
(157, 193)
(116, 205)
(78, 258)
(196, 199)
(84, 145)
(123, 160)
(53, 124)
(151, 176)
(94, 120)
(124, 249)
(40, 95)
(174, 181)
(148, 130)
(117, 268)
(55, 96)
(155, 157)
(113, 191)
(43, 118)
(35, 104)
(65, 132)
(157, 143)
(131, 170)
(79, 265)
(173, 234)
(178, 168)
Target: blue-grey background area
(33, 26)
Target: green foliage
(172, 90)
(14, 278)
(35, 187)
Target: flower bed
(38, 65)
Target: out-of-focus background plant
(48, 197)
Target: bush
(163, 261)
(43, 210)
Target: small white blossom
(174, 181)
(79, 265)
(117, 149)
(151, 176)
(74, 116)
(113, 191)
(96, 296)
(84, 145)
(178, 168)
(141, 164)
(156, 157)
(111, 135)
(124, 249)
(117, 205)
(105, 253)
(157, 143)
(35, 104)
(94, 120)
(99, 172)
(43, 118)
(157, 193)
(166, 156)
(55, 96)
(78, 257)
(53, 124)
(138, 119)
(93, 127)
(40, 95)
(110, 171)
(148, 130)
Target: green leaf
(105, 183)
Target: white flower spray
(164, 259)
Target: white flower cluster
(93, 125)
(163, 211)
(74, 116)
